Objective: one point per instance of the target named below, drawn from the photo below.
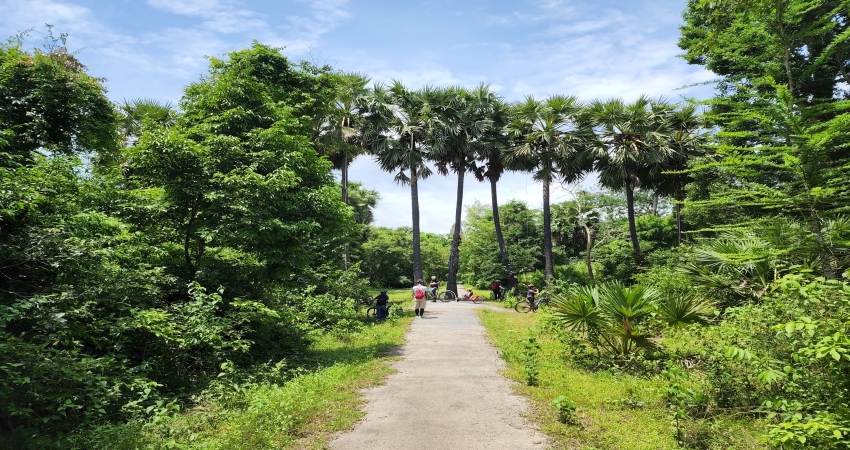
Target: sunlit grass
(605, 421)
(300, 414)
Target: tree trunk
(454, 253)
(344, 182)
(547, 235)
(630, 208)
(589, 233)
(680, 219)
(414, 201)
(193, 213)
(826, 259)
(655, 204)
(510, 278)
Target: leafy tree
(51, 104)
(481, 259)
(256, 183)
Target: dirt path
(448, 392)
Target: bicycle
(446, 296)
(525, 306)
(474, 299)
(392, 310)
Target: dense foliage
(128, 288)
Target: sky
(599, 49)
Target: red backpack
(419, 294)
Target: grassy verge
(613, 411)
(301, 413)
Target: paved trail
(448, 392)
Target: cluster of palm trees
(644, 144)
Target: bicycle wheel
(447, 296)
(523, 306)
(372, 312)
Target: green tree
(239, 170)
(463, 120)
(50, 103)
(398, 122)
(634, 149)
(490, 152)
(550, 138)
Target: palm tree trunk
(510, 278)
(655, 204)
(547, 235)
(589, 234)
(680, 222)
(630, 208)
(454, 254)
(344, 178)
(344, 182)
(414, 201)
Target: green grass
(603, 420)
(300, 414)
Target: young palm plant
(615, 317)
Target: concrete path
(448, 393)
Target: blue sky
(598, 49)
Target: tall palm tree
(490, 153)
(635, 147)
(397, 120)
(461, 121)
(551, 137)
(687, 142)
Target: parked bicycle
(393, 310)
(446, 296)
(525, 306)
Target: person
(497, 290)
(530, 296)
(381, 305)
(432, 288)
(419, 298)
(470, 295)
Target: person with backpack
(419, 298)
(381, 305)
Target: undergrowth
(299, 412)
(612, 408)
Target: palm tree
(340, 133)
(397, 120)
(461, 121)
(550, 137)
(490, 153)
(687, 142)
(135, 112)
(635, 147)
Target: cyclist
(432, 288)
(529, 295)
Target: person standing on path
(497, 290)
(419, 298)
